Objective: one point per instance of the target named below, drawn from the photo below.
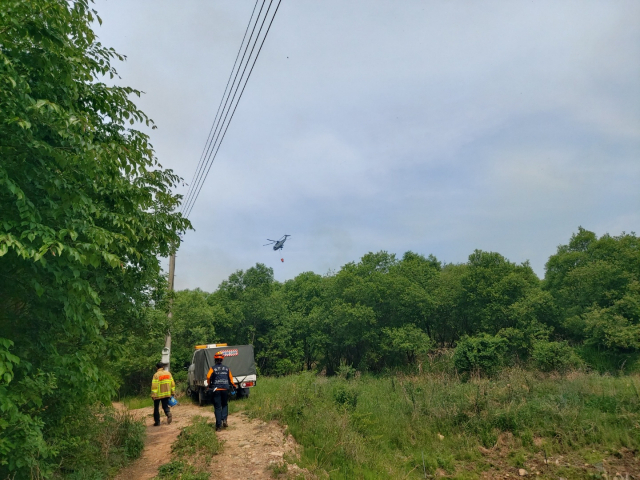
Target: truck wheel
(201, 397)
(245, 392)
(192, 393)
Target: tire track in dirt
(250, 446)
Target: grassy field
(579, 425)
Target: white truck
(239, 359)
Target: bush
(550, 356)
(612, 331)
(345, 397)
(520, 340)
(346, 371)
(98, 441)
(483, 353)
(609, 361)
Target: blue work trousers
(220, 405)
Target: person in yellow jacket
(162, 388)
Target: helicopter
(277, 244)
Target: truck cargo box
(239, 359)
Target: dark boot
(224, 424)
(169, 419)
(218, 428)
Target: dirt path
(250, 446)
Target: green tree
(492, 285)
(86, 211)
(306, 296)
(595, 284)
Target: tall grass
(401, 426)
(133, 403)
(98, 442)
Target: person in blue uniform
(220, 380)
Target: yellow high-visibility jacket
(162, 385)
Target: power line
(221, 120)
(213, 138)
(211, 150)
(202, 155)
(236, 106)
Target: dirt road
(250, 446)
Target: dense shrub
(484, 353)
(549, 356)
(609, 361)
(345, 397)
(596, 284)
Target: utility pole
(172, 271)
(166, 351)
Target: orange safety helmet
(218, 355)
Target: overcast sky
(432, 126)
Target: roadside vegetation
(105, 441)
(578, 425)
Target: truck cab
(239, 359)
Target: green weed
(180, 470)
(381, 427)
(279, 468)
(198, 439)
(195, 446)
(133, 403)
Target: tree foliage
(384, 312)
(596, 284)
(86, 211)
